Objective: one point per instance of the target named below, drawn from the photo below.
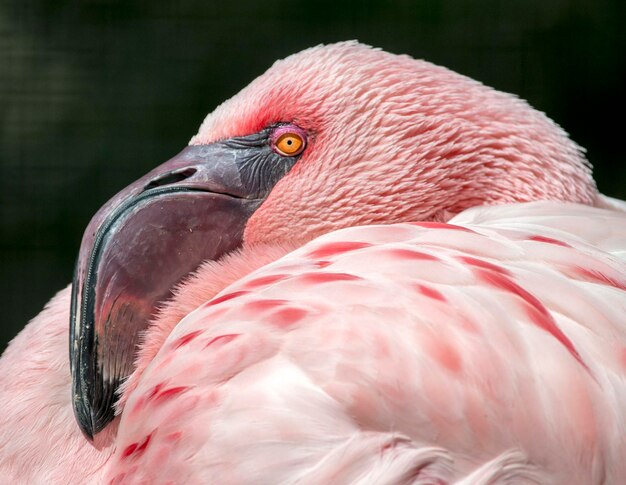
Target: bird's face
(335, 136)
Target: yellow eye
(290, 144)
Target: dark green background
(95, 93)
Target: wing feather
(497, 342)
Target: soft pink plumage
(357, 354)
(488, 350)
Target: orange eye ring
(290, 143)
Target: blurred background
(95, 93)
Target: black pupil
(289, 142)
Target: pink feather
(435, 293)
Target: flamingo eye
(289, 141)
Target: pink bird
(409, 277)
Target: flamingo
(364, 268)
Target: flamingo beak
(140, 245)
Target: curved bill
(135, 250)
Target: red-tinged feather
(548, 240)
(479, 263)
(537, 312)
(410, 254)
(430, 292)
(185, 339)
(264, 281)
(169, 393)
(336, 248)
(221, 340)
(440, 225)
(597, 276)
(226, 297)
(325, 277)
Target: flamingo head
(334, 136)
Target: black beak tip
(89, 421)
(92, 399)
(84, 418)
(93, 415)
